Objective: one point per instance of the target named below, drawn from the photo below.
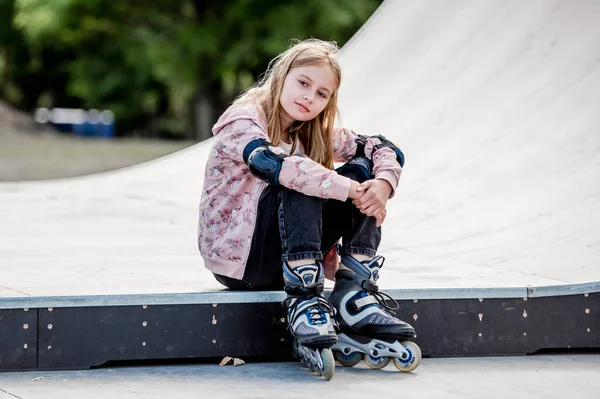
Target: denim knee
(300, 225)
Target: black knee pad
(358, 168)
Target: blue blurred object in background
(92, 123)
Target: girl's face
(306, 92)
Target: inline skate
(367, 329)
(309, 318)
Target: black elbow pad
(361, 141)
(262, 162)
(386, 143)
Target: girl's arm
(242, 141)
(385, 164)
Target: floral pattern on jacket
(230, 195)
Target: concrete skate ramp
(495, 105)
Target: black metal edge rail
(84, 332)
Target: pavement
(548, 377)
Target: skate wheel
(305, 362)
(414, 359)
(328, 364)
(315, 369)
(349, 360)
(376, 363)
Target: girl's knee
(359, 169)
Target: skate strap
(376, 298)
(364, 301)
(316, 306)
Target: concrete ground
(547, 377)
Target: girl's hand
(380, 216)
(376, 194)
(356, 191)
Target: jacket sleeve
(385, 165)
(298, 173)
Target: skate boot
(367, 328)
(309, 317)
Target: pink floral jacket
(230, 195)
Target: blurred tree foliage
(165, 68)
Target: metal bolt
(25, 326)
(214, 305)
(525, 334)
(214, 321)
(415, 317)
(586, 295)
(283, 319)
(144, 306)
(50, 309)
(588, 330)
(25, 346)
(26, 309)
(480, 334)
(49, 347)
(524, 299)
(144, 324)
(587, 311)
(480, 316)
(143, 343)
(524, 313)
(415, 300)
(49, 326)
(214, 341)
(282, 339)
(480, 299)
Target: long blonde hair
(316, 135)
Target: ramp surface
(495, 105)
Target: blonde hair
(316, 135)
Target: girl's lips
(302, 106)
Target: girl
(272, 201)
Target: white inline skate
(309, 318)
(367, 330)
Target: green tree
(164, 68)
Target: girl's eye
(303, 83)
(322, 95)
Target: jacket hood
(252, 111)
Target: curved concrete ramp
(496, 106)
